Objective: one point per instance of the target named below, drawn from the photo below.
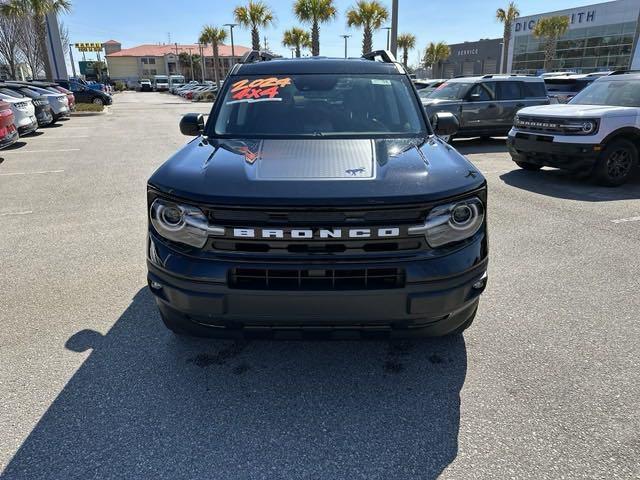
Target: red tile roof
(161, 50)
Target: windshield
(566, 84)
(451, 91)
(11, 93)
(614, 93)
(319, 105)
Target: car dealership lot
(543, 385)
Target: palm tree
(37, 10)
(406, 42)
(254, 15)
(215, 36)
(314, 12)
(550, 29)
(435, 54)
(370, 15)
(507, 17)
(296, 38)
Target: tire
(532, 167)
(616, 163)
(97, 101)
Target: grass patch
(89, 107)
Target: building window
(153, 71)
(152, 61)
(144, 61)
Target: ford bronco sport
(596, 133)
(317, 198)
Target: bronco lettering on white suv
(597, 132)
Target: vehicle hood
(316, 172)
(573, 111)
(434, 102)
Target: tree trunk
(298, 50)
(315, 39)
(41, 30)
(549, 53)
(255, 39)
(506, 39)
(216, 74)
(405, 57)
(367, 40)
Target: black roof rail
(622, 72)
(385, 55)
(487, 76)
(253, 56)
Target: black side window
(509, 90)
(534, 89)
(483, 92)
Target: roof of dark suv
(318, 65)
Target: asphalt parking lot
(544, 385)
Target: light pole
(191, 61)
(394, 28)
(233, 51)
(292, 51)
(346, 37)
(177, 60)
(73, 67)
(388, 29)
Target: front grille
(561, 126)
(315, 219)
(21, 105)
(316, 279)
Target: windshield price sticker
(259, 90)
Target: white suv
(597, 132)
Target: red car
(8, 130)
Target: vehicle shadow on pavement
(567, 185)
(148, 404)
(469, 146)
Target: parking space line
(44, 151)
(43, 172)
(26, 212)
(626, 220)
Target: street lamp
(345, 44)
(292, 51)
(394, 28)
(388, 29)
(231, 25)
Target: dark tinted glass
(11, 93)
(509, 91)
(319, 105)
(483, 92)
(533, 89)
(614, 93)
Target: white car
(597, 132)
(58, 101)
(24, 113)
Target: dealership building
(601, 37)
(144, 61)
(471, 58)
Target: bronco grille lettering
(314, 234)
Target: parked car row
(27, 106)
(588, 124)
(197, 91)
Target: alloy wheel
(619, 163)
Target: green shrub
(120, 86)
(89, 107)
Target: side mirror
(192, 124)
(445, 123)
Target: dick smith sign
(587, 16)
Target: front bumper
(29, 126)
(546, 150)
(439, 296)
(44, 117)
(9, 139)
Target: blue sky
(134, 22)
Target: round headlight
(461, 215)
(588, 127)
(172, 216)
